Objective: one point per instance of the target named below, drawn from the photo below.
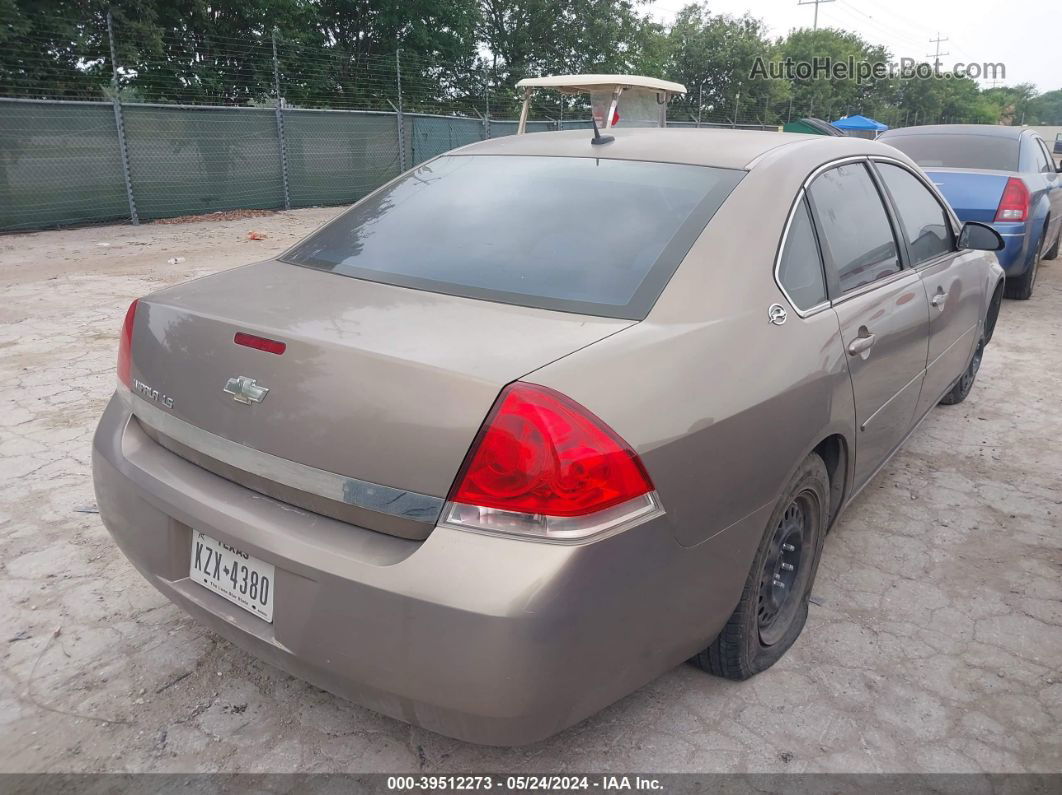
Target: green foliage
(463, 56)
(1047, 109)
(526, 38)
(1012, 104)
(713, 56)
(828, 97)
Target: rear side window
(1048, 163)
(855, 232)
(1032, 157)
(924, 220)
(599, 237)
(800, 268)
(958, 150)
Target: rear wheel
(774, 601)
(1053, 253)
(1021, 288)
(965, 383)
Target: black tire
(962, 387)
(1053, 253)
(764, 626)
(1021, 287)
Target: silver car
(543, 417)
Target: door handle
(862, 344)
(939, 299)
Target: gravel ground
(934, 644)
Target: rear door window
(800, 267)
(593, 236)
(924, 221)
(857, 239)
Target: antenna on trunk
(598, 138)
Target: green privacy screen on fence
(61, 162)
(336, 156)
(190, 160)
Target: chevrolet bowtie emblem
(245, 390)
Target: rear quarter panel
(721, 405)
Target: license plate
(243, 580)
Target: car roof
(738, 149)
(990, 130)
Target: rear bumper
(1016, 255)
(486, 639)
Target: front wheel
(774, 601)
(965, 383)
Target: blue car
(1003, 176)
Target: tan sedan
(543, 417)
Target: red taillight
(1014, 205)
(260, 343)
(125, 346)
(541, 453)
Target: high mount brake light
(125, 346)
(259, 343)
(1014, 204)
(544, 466)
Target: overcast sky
(1025, 35)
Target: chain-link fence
(61, 162)
(64, 162)
(105, 127)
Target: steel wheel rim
(1036, 262)
(785, 568)
(971, 371)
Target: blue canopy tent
(860, 126)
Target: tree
(1012, 103)
(528, 38)
(828, 96)
(1047, 109)
(943, 100)
(713, 56)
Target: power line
(873, 27)
(893, 31)
(816, 3)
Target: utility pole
(486, 108)
(279, 111)
(119, 123)
(936, 54)
(815, 3)
(399, 117)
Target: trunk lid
(974, 195)
(381, 384)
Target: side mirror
(980, 237)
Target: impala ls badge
(245, 390)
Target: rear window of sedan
(586, 235)
(958, 150)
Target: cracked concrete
(935, 644)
